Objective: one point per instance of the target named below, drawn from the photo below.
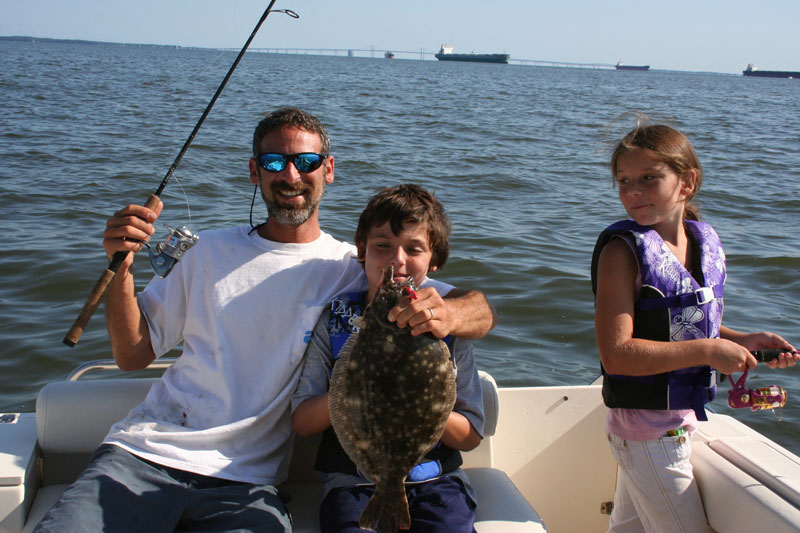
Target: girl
(658, 282)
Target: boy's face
(409, 252)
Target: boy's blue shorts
(439, 505)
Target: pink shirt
(648, 424)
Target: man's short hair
(401, 205)
(290, 116)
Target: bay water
(517, 154)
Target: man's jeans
(121, 492)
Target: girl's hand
(787, 358)
(765, 339)
(730, 357)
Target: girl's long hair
(669, 146)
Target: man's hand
(425, 311)
(128, 228)
(128, 332)
(463, 314)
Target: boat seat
(72, 417)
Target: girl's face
(409, 252)
(650, 190)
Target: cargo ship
(752, 71)
(623, 66)
(446, 54)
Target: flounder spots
(392, 399)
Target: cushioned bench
(72, 417)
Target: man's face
(292, 196)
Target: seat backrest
(72, 417)
(482, 455)
(491, 403)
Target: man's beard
(291, 216)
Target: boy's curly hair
(404, 204)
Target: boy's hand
(427, 313)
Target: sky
(690, 35)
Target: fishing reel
(170, 251)
(740, 396)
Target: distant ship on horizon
(753, 71)
(622, 66)
(446, 54)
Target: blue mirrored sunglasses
(305, 162)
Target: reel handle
(99, 290)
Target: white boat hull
(548, 441)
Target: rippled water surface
(517, 154)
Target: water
(517, 154)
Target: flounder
(390, 396)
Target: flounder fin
(451, 382)
(341, 417)
(337, 391)
(386, 510)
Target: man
(209, 444)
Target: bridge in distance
(420, 54)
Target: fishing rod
(768, 354)
(96, 295)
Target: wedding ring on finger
(430, 310)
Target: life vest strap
(701, 296)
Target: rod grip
(94, 299)
(99, 290)
(151, 202)
(768, 354)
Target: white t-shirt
(244, 308)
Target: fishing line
(252, 204)
(186, 198)
(97, 293)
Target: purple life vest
(673, 306)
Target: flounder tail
(386, 510)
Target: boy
(403, 226)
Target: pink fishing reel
(740, 397)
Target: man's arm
(466, 314)
(127, 327)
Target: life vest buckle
(704, 295)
